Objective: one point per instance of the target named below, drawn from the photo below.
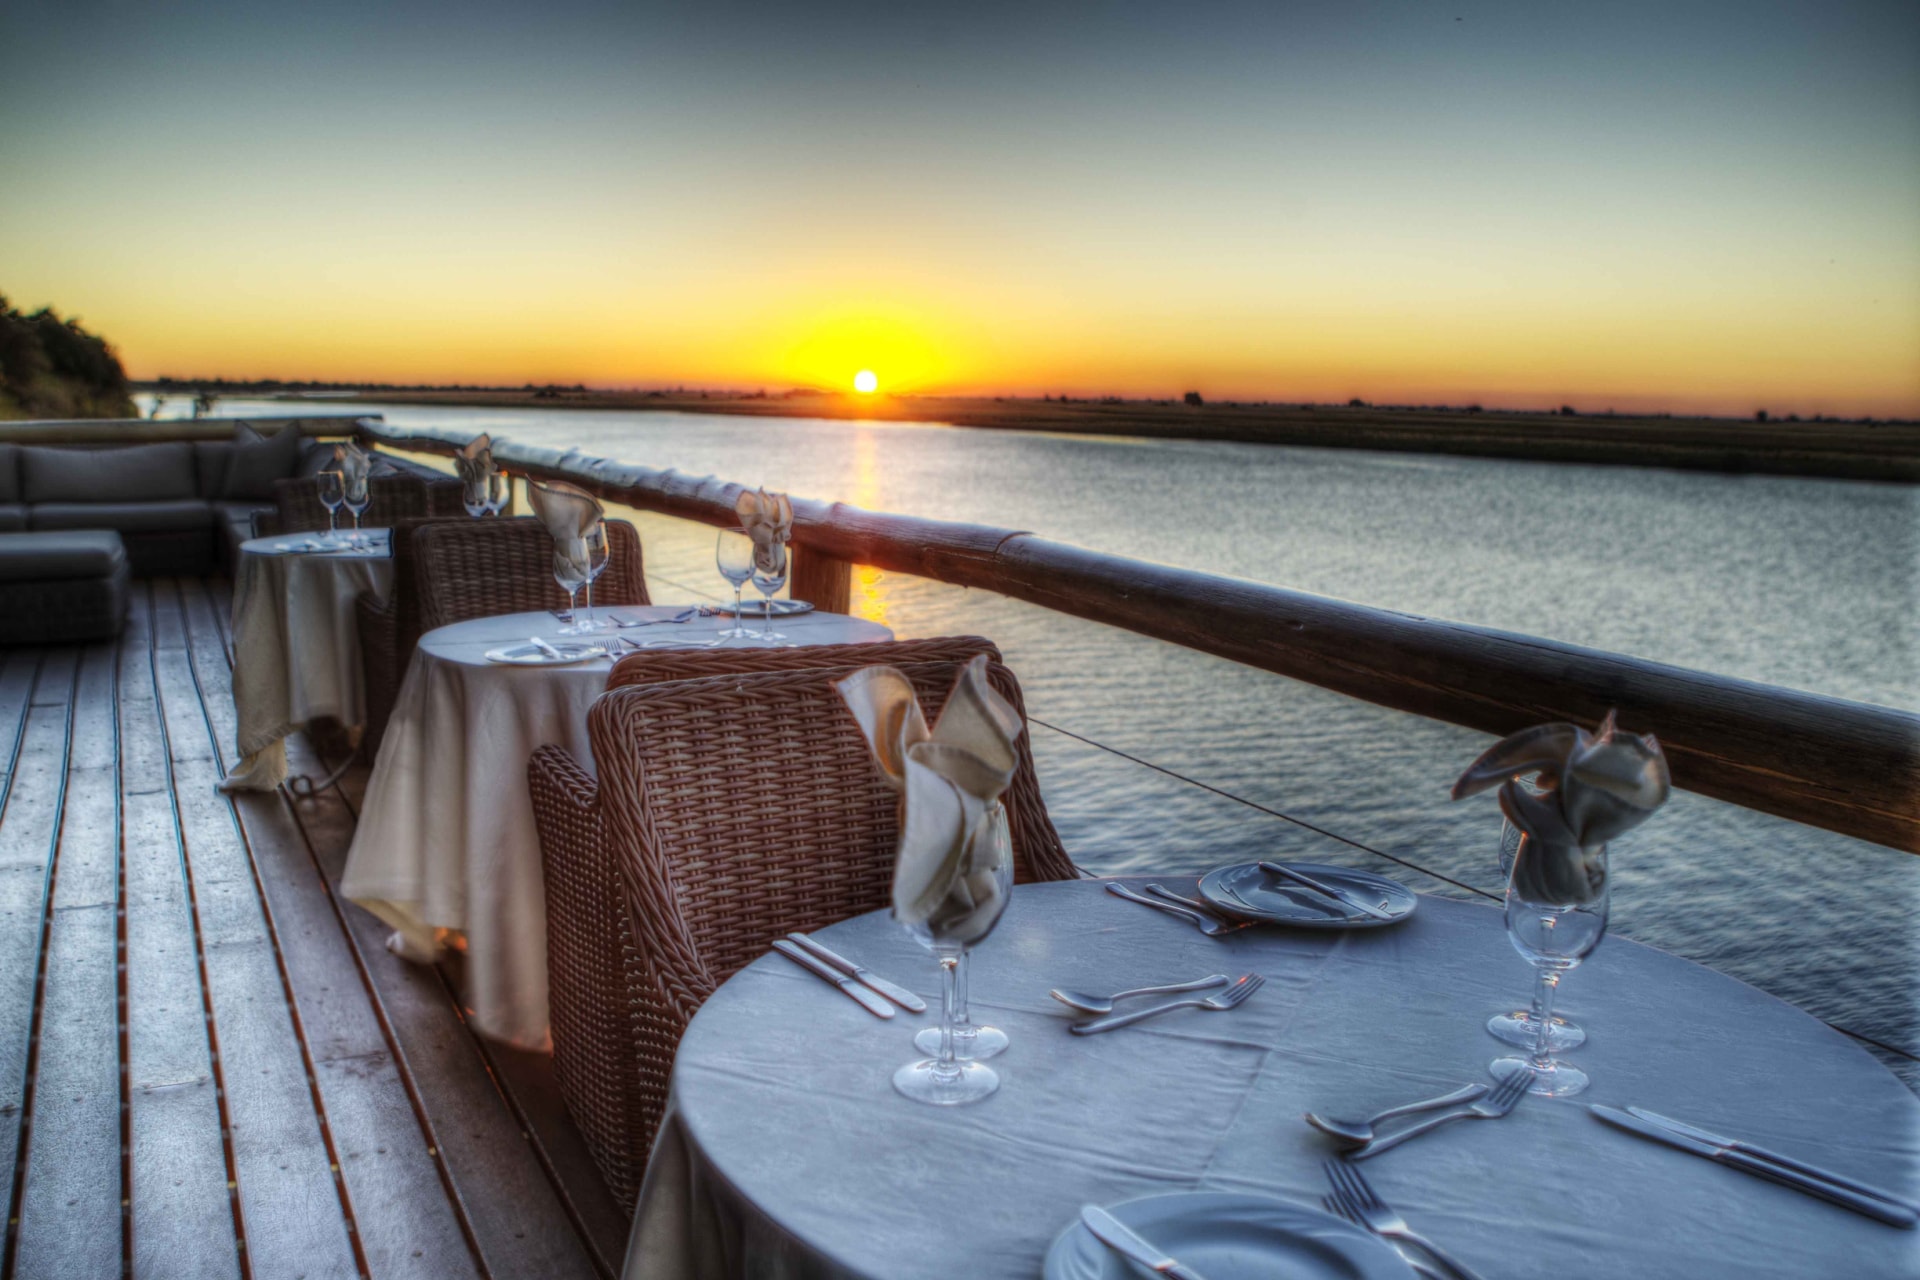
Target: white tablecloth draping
(786, 1152)
(446, 841)
(296, 647)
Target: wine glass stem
(949, 999)
(589, 604)
(573, 594)
(1543, 992)
(961, 1023)
(332, 514)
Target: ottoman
(61, 585)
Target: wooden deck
(212, 1065)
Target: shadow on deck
(211, 1064)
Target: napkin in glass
(949, 779)
(767, 518)
(1589, 788)
(474, 462)
(569, 513)
(354, 465)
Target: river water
(1805, 583)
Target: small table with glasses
(786, 1148)
(446, 841)
(296, 643)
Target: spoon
(1104, 1004)
(1358, 1133)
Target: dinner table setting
(1273, 1069)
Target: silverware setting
(1360, 1203)
(685, 615)
(860, 994)
(1204, 908)
(1338, 1208)
(1809, 1179)
(1358, 1133)
(545, 648)
(1243, 986)
(866, 977)
(1104, 1004)
(1341, 896)
(1505, 1097)
(1209, 924)
(1130, 1244)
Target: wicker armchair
(389, 629)
(478, 568)
(389, 498)
(616, 1016)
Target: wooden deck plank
(182, 1212)
(292, 1204)
(18, 667)
(517, 1215)
(69, 1216)
(402, 1209)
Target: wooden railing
(158, 430)
(1846, 766)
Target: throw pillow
(260, 460)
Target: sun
(865, 383)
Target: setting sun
(865, 383)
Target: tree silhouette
(53, 368)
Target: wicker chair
(389, 498)
(479, 568)
(615, 1024)
(389, 629)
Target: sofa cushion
(135, 473)
(50, 557)
(9, 473)
(128, 517)
(317, 458)
(211, 458)
(13, 515)
(260, 460)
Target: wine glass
(769, 575)
(356, 500)
(972, 907)
(733, 553)
(499, 491)
(1557, 901)
(570, 570)
(1517, 1027)
(474, 495)
(332, 493)
(970, 1043)
(599, 553)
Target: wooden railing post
(821, 580)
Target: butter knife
(1867, 1206)
(1122, 1239)
(892, 991)
(872, 1003)
(1773, 1157)
(1340, 896)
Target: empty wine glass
(599, 552)
(332, 493)
(970, 1043)
(1517, 1027)
(570, 570)
(769, 575)
(499, 491)
(1557, 900)
(973, 906)
(356, 500)
(733, 553)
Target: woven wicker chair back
(480, 568)
(743, 807)
(1037, 851)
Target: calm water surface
(1805, 583)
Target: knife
(1122, 1239)
(1890, 1214)
(872, 1003)
(1344, 899)
(546, 648)
(1772, 1157)
(892, 991)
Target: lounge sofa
(58, 587)
(179, 507)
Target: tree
(1193, 398)
(1759, 415)
(53, 368)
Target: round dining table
(786, 1152)
(296, 644)
(446, 843)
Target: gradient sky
(1708, 206)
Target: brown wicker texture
(614, 1025)
(389, 630)
(389, 498)
(480, 568)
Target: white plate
(572, 653)
(1246, 892)
(1231, 1237)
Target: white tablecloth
(787, 1153)
(446, 840)
(296, 646)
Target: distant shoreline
(1831, 449)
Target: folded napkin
(1590, 789)
(946, 871)
(354, 465)
(767, 518)
(569, 514)
(474, 462)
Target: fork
(1207, 909)
(1505, 1097)
(1212, 926)
(1339, 1208)
(1243, 986)
(1352, 1188)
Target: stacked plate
(1231, 1237)
(557, 653)
(1246, 892)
